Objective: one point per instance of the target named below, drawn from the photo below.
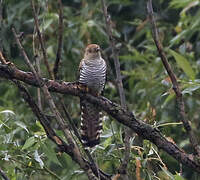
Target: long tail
(91, 124)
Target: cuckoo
(92, 73)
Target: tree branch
(41, 40)
(114, 53)
(62, 146)
(121, 115)
(179, 96)
(123, 166)
(3, 175)
(39, 98)
(1, 11)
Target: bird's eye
(89, 50)
(97, 49)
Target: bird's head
(92, 52)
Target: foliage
(26, 153)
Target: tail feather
(91, 124)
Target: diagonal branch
(114, 53)
(121, 115)
(41, 40)
(179, 96)
(63, 147)
(3, 175)
(87, 152)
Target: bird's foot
(83, 88)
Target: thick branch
(121, 115)
(179, 96)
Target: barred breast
(92, 74)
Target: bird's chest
(93, 76)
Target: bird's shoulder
(80, 65)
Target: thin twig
(179, 96)
(115, 55)
(1, 12)
(60, 40)
(3, 60)
(41, 40)
(70, 120)
(37, 59)
(115, 140)
(1, 23)
(28, 62)
(3, 175)
(181, 169)
(34, 168)
(125, 161)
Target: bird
(92, 74)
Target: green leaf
(190, 89)
(50, 153)
(22, 125)
(183, 64)
(2, 123)
(168, 99)
(29, 142)
(178, 177)
(38, 159)
(189, 6)
(6, 112)
(46, 24)
(179, 4)
(41, 127)
(170, 175)
(178, 38)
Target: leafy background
(25, 151)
